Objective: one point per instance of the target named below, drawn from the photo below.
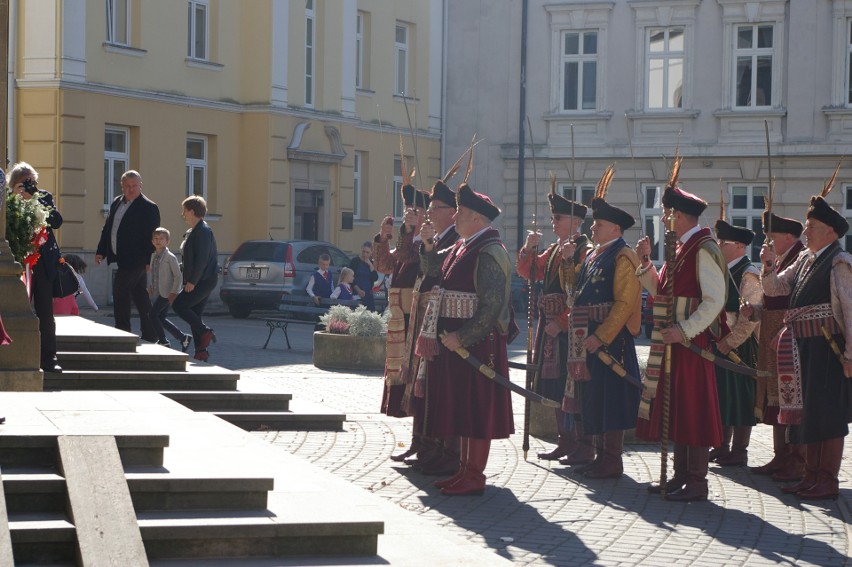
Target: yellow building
(285, 115)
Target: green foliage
(360, 322)
(24, 219)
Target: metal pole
(522, 113)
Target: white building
(707, 74)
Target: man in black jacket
(126, 240)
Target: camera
(30, 186)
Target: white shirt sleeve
(713, 289)
(336, 293)
(310, 287)
(84, 291)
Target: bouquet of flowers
(26, 227)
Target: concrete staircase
(187, 502)
(97, 357)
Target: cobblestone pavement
(534, 512)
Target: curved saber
(492, 374)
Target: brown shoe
(812, 467)
(827, 484)
(696, 482)
(567, 444)
(610, 464)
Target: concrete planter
(349, 352)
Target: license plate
(252, 273)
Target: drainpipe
(521, 116)
(11, 123)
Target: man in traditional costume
(551, 343)
(814, 355)
(788, 463)
(608, 311)
(470, 309)
(697, 279)
(403, 263)
(736, 391)
(434, 456)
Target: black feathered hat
(467, 197)
(725, 231)
(822, 211)
(604, 211)
(561, 205)
(773, 222)
(440, 192)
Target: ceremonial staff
(665, 381)
(635, 181)
(532, 302)
(768, 204)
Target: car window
(310, 255)
(338, 258)
(271, 251)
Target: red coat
(695, 418)
(462, 401)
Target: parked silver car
(259, 272)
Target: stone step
(283, 421)
(45, 492)
(81, 335)
(199, 377)
(40, 451)
(51, 538)
(231, 400)
(147, 357)
(43, 539)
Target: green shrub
(360, 322)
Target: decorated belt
(458, 304)
(808, 321)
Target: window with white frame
(664, 54)
(745, 208)
(398, 204)
(847, 212)
(356, 185)
(196, 166)
(196, 37)
(118, 22)
(652, 219)
(401, 51)
(116, 160)
(310, 56)
(579, 70)
(359, 50)
(753, 60)
(580, 194)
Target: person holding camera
(23, 180)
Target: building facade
(285, 115)
(628, 81)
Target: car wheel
(239, 311)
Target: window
(196, 37)
(401, 50)
(665, 58)
(116, 160)
(118, 21)
(356, 185)
(753, 57)
(196, 166)
(847, 212)
(398, 205)
(580, 194)
(746, 209)
(579, 70)
(359, 51)
(310, 31)
(651, 214)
